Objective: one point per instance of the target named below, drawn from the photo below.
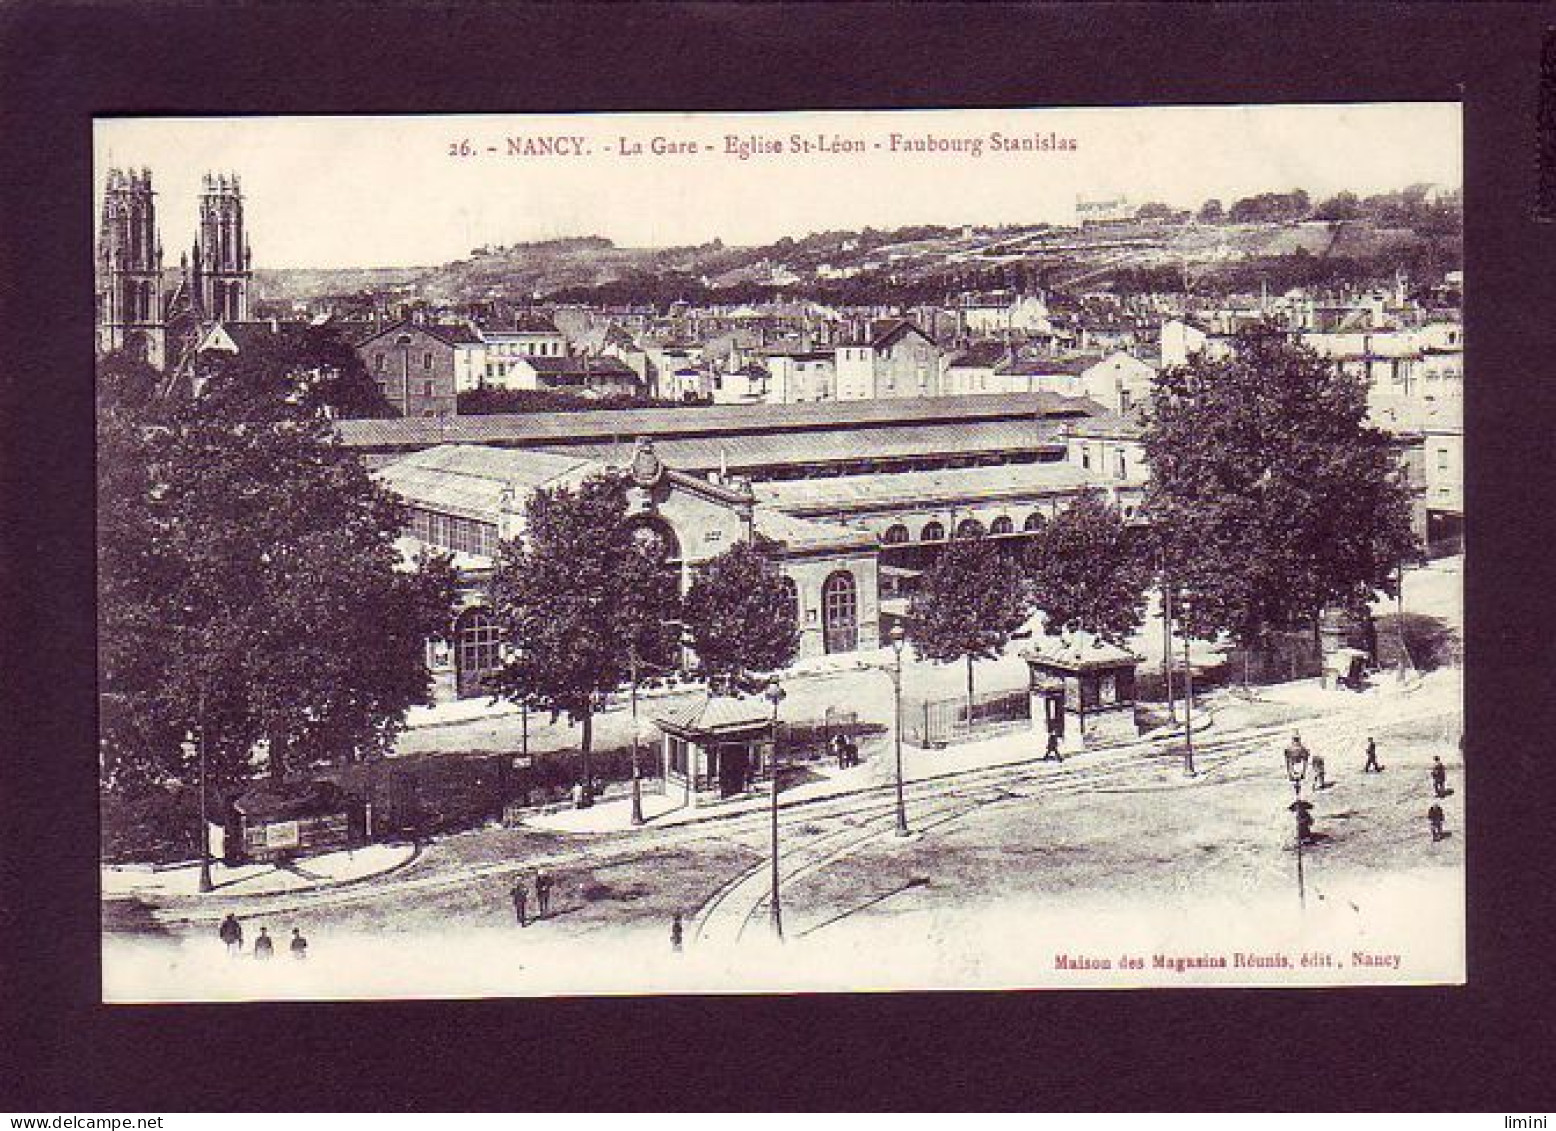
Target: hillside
(915, 264)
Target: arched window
(477, 649)
(1002, 525)
(1034, 521)
(933, 532)
(896, 535)
(969, 528)
(840, 612)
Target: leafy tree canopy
(741, 613)
(1271, 496)
(314, 370)
(967, 605)
(248, 581)
(1087, 571)
(584, 596)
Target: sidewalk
(878, 769)
(1221, 714)
(329, 870)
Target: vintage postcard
(650, 553)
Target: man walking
(521, 903)
(263, 946)
(1434, 817)
(1371, 766)
(1319, 781)
(543, 893)
(676, 933)
(231, 932)
(299, 944)
(1439, 777)
(1052, 753)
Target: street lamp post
(775, 695)
(1188, 710)
(1172, 710)
(1296, 770)
(637, 780)
(205, 823)
(897, 641)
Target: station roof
(806, 535)
(551, 428)
(917, 490)
(739, 452)
(469, 480)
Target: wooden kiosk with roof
(717, 748)
(1082, 689)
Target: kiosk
(1083, 690)
(717, 748)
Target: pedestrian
(521, 903)
(542, 893)
(840, 749)
(1052, 754)
(850, 751)
(1439, 777)
(1372, 766)
(1434, 817)
(676, 933)
(1319, 781)
(299, 944)
(578, 795)
(231, 933)
(263, 946)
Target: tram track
(729, 912)
(863, 808)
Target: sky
(396, 192)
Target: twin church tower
(135, 313)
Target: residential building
(973, 370)
(1121, 382)
(897, 360)
(415, 366)
(1001, 313)
(801, 375)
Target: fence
(937, 722)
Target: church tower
(129, 269)
(220, 272)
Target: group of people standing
(231, 933)
(845, 750)
(520, 895)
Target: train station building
(851, 500)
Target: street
(1007, 867)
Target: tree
(741, 614)
(310, 369)
(250, 589)
(1270, 495)
(1211, 212)
(1340, 206)
(967, 605)
(578, 597)
(1086, 571)
(1153, 210)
